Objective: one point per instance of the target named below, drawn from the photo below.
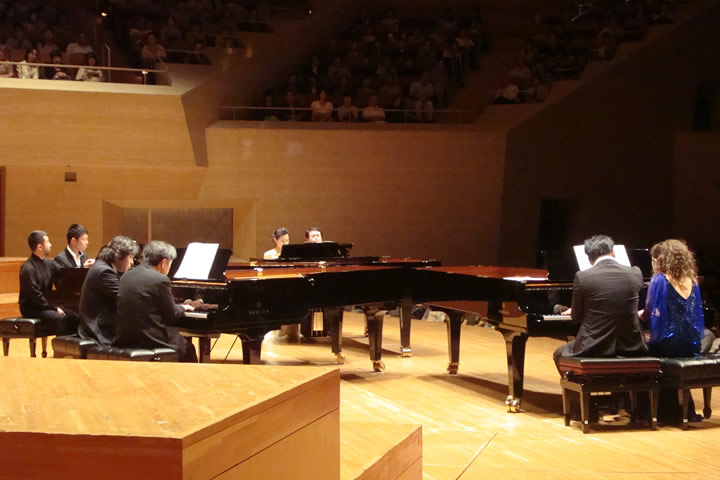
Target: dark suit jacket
(36, 282)
(65, 260)
(98, 303)
(605, 301)
(146, 311)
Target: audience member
(6, 69)
(322, 109)
(421, 95)
(373, 112)
(88, 73)
(347, 112)
(25, 70)
(56, 73)
(152, 51)
(198, 56)
(80, 46)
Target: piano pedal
(378, 365)
(406, 352)
(512, 404)
(452, 368)
(340, 358)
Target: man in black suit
(74, 254)
(605, 303)
(146, 310)
(98, 298)
(36, 281)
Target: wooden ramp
(69, 419)
(380, 451)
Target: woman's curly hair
(674, 258)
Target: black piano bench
(607, 375)
(30, 328)
(104, 352)
(695, 372)
(71, 346)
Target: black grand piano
(519, 303)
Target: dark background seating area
(45, 25)
(382, 53)
(561, 42)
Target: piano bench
(71, 346)
(587, 375)
(695, 372)
(30, 328)
(105, 352)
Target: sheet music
(198, 261)
(584, 262)
(525, 279)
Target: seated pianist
(74, 255)
(98, 297)
(605, 304)
(313, 235)
(280, 236)
(146, 308)
(36, 282)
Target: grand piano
(256, 297)
(518, 302)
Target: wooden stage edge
(466, 432)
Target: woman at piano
(674, 313)
(281, 237)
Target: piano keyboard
(202, 315)
(557, 318)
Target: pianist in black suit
(98, 298)
(36, 282)
(74, 254)
(605, 303)
(146, 308)
(313, 235)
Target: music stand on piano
(295, 252)
(217, 270)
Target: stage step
(9, 305)
(380, 451)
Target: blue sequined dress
(677, 324)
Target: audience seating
(103, 352)
(30, 328)
(695, 372)
(71, 346)
(607, 375)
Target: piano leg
(204, 344)
(375, 318)
(515, 347)
(251, 347)
(333, 318)
(405, 319)
(453, 329)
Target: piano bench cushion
(18, 327)
(71, 346)
(592, 366)
(104, 352)
(703, 369)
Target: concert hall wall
(610, 146)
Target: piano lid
(295, 252)
(562, 264)
(217, 269)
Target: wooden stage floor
(466, 432)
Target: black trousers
(64, 324)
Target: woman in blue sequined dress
(673, 307)
(674, 313)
